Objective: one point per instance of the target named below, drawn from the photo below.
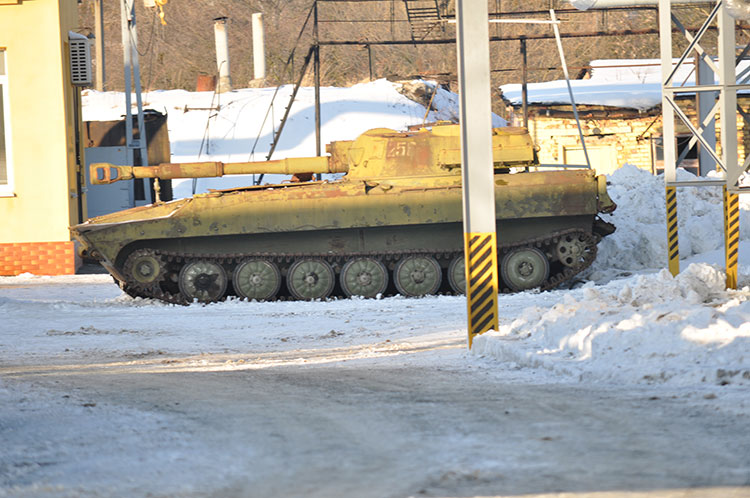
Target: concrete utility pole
(316, 70)
(132, 76)
(480, 239)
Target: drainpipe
(99, 41)
(222, 54)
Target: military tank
(391, 224)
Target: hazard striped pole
(731, 235)
(480, 239)
(673, 246)
(481, 282)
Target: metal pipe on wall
(99, 41)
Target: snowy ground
(103, 395)
(632, 381)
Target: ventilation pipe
(222, 54)
(259, 49)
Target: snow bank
(646, 329)
(640, 241)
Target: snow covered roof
(628, 83)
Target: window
(6, 171)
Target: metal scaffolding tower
(723, 69)
(723, 96)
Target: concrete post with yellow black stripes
(481, 282)
(673, 246)
(480, 240)
(731, 235)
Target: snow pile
(443, 104)
(239, 126)
(445, 108)
(649, 327)
(646, 329)
(640, 241)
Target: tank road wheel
(203, 280)
(524, 268)
(417, 276)
(144, 270)
(572, 249)
(366, 277)
(256, 279)
(309, 279)
(457, 275)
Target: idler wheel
(366, 277)
(524, 268)
(457, 274)
(202, 280)
(256, 279)
(417, 275)
(144, 270)
(309, 279)
(572, 249)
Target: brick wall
(39, 258)
(630, 137)
(626, 136)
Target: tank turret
(391, 224)
(375, 154)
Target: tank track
(178, 259)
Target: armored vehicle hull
(393, 224)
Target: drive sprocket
(144, 270)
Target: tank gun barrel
(105, 173)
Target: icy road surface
(103, 395)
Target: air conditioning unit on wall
(80, 59)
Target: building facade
(40, 154)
